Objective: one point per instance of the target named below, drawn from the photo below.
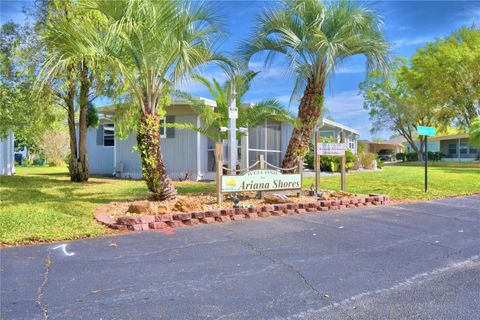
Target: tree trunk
(153, 167)
(308, 113)
(79, 165)
(70, 105)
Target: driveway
(410, 261)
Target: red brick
(264, 214)
(127, 220)
(267, 208)
(253, 209)
(238, 217)
(119, 226)
(353, 201)
(191, 222)
(277, 213)
(147, 219)
(208, 220)
(300, 211)
(325, 203)
(198, 214)
(361, 200)
(292, 206)
(279, 207)
(368, 199)
(251, 215)
(175, 223)
(227, 212)
(163, 218)
(334, 207)
(323, 208)
(289, 211)
(157, 225)
(223, 219)
(312, 209)
(376, 203)
(213, 213)
(182, 216)
(312, 205)
(342, 206)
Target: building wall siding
(100, 157)
(179, 153)
(7, 155)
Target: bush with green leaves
(401, 156)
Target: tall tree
(72, 36)
(447, 72)
(154, 44)
(248, 117)
(27, 114)
(474, 133)
(316, 37)
(394, 106)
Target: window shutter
(100, 135)
(170, 130)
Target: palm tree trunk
(153, 167)
(79, 164)
(308, 114)
(70, 106)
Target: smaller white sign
(331, 149)
(233, 112)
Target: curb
(182, 219)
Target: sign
(426, 131)
(261, 180)
(233, 112)
(331, 149)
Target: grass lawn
(40, 204)
(401, 182)
(439, 164)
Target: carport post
(342, 163)
(317, 162)
(425, 156)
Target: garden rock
(162, 209)
(186, 205)
(140, 207)
(276, 198)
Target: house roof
(338, 125)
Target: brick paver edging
(180, 219)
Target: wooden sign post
(331, 149)
(317, 162)
(342, 163)
(218, 176)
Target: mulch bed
(162, 216)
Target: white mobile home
(188, 154)
(7, 155)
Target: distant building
(7, 155)
(454, 147)
(189, 154)
(395, 145)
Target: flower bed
(116, 214)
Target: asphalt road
(411, 261)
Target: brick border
(181, 219)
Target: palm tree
(69, 71)
(215, 117)
(154, 44)
(316, 37)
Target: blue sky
(407, 24)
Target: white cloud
(412, 41)
(347, 70)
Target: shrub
(411, 156)
(54, 145)
(401, 156)
(434, 156)
(367, 160)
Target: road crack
(40, 300)
(279, 262)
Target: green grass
(439, 164)
(40, 204)
(400, 182)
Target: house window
(463, 148)
(351, 142)
(266, 140)
(327, 135)
(452, 148)
(473, 150)
(108, 135)
(163, 128)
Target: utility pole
(232, 131)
